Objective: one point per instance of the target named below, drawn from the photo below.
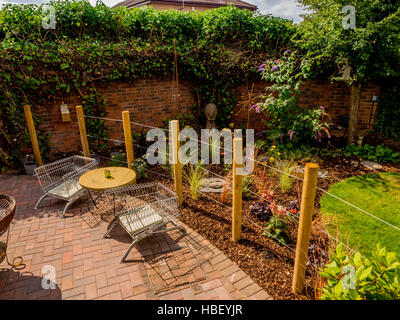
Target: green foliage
(216, 51)
(247, 183)
(193, 175)
(277, 229)
(285, 116)
(371, 50)
(285, 168)
(94, 105)
(354, 277)
(387, 120)
(139, 166)
(117, 160)
(380, 153)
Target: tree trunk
(354, 108)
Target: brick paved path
(87, 266)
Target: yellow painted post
(305, 223)
(32, 134)
(128, 138)
(82, 131)
(237, 189)
(174, 138)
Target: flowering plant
(27, 150)
(286, 117)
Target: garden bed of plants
(268, 262)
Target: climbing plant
(216, 50)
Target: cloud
(288, 9)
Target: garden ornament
(211, 112)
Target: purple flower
(261, 68)
(274, 68)
(322, 108)
(254, 106)
(290, 133)
(277, 62)
(258, 109)
(288, 51)
(318, 137)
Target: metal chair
(60, 179)
(143, 210)
(7, 212)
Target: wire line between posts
(260, 163)
(230, 208)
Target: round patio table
(95, 180)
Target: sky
(288, 9)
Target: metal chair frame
(147, 199)
(64, 173)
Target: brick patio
(167, 266)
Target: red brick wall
(334, 97)
(151, 100)
(148, 101)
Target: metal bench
(60, 179)
(143, 210)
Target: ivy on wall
(216, 51)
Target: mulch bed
(268, 263)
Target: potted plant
(29, 164)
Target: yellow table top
(95, 179)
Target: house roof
(203, 3)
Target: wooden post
(128, 138)
(237, 189)
(304, 231)
(82, 131)
(32, 134)
(174, 138)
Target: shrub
(286, 117)
(261, 211)
(354, 277)
(380, 153)
(276, 228)
(139, 166)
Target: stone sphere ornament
(211, 112)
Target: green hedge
(217, 50)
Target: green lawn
(378, 194)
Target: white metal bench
(143, 210)
(60, 179)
